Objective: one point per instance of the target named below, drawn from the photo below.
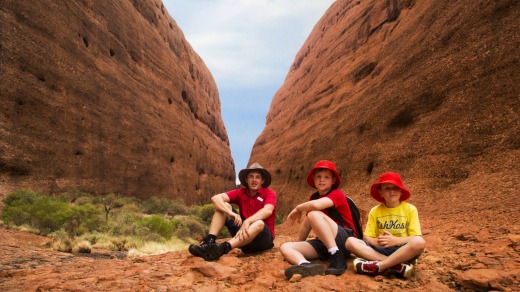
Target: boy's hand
(387, 240)
(242, 233)
(236, 218)
(293, 216)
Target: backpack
(356, 216)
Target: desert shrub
(83, 219)
(49, 215)
(83, 201)
(187, 227)
(81, 246)
(61, 241)
(278, 220)
(38, 211)
(204, 212)
(21, 197)
(158, 224)
(124, 223)
(160, 205)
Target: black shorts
(264, 240)
(341, 238)
(387, 251)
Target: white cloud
(246, 42)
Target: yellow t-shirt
(400, 221)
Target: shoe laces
(370, 267)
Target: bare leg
(296, 252)
(253, 230)
(324, 227)
(414, 247)
(218, 221)
(362, 250)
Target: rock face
(107, 96)
(429, 89)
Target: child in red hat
(392, 237)
(331, 235)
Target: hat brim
(310, 178)
(374, 190)
(242, 176)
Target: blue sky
(249, 46)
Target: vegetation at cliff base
(77, 221)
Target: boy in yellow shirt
(392, 239)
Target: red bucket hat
(389, 178)
(327, 165)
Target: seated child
(392, 237)
(331, 235)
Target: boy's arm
(319, 204)
(371, 240)
(389, 240)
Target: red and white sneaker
(363, 266)
(404, 271)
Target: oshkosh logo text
(391, 224)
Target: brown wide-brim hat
(242, 175)
(326, 165)
(389, 178)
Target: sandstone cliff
(430, 89)
(107, 96)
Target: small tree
(110, 202)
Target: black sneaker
(338, 264)
(305, 269)
(215, 251)
(202, 249)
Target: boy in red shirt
(253, 228)
(331, 235)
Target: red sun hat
(389, 178)
(326, 165)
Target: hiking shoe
(202, 249)
(305, 269)
(338, 264)
(366, 267)
(215, 251)
(404, 271)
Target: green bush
(158, 224)
(48, 214)
(21, 197)
(83, 201)
(38, 211)
(161, 205)
(83, 219)
(204, 212)
(188, 227)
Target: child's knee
(285, 247)
(351, 243)
(417, 243)
(258, 226)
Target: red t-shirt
(250, 205)
(340, 204)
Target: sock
(211, 236)
(304, 262)
(333, 250)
